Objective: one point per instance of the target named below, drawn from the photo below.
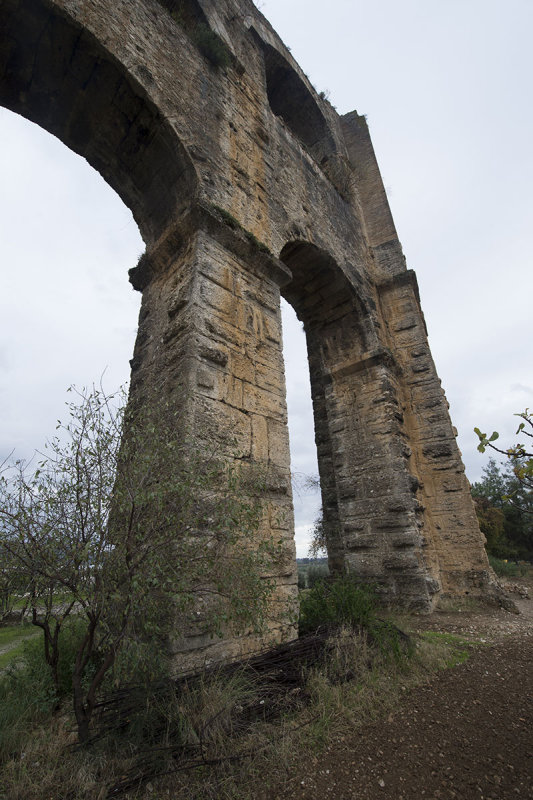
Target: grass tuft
(456, 650)
(235, 225)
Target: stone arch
(58, 75)
(322, 294)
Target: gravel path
(468, 734)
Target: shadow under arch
(56, 74)
(338, 331)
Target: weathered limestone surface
(246, 185)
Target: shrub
(507, 569)
(345, 602)
(316, 573)
(211, 46)
(102, 540)
(27, 692)
(340, 602)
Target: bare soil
(467, 734)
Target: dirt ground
(468, 734)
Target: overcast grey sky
(446, 86)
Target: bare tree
(125, 533)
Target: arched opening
(304, 466)
(335, 332)
(67, 312)
(56, 74)
(290, 99)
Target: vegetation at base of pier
(223, 733)
(121, 533)
(347, 603)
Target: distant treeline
(310, 571)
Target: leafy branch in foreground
(520, 455)
(503, 507)
(127, 526)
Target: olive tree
(124, 524)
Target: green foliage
(235, 225)
(137, 536)
(311, 573)
(519, 479)
(28, 694)
(228, 218)
(302, 578)
(12, 640)
(221, 735)
(340, 602)
(13, 586)
(318, 544)
(12, 633)
(492, 523)
(206, 40)
(178, 18)
(507, 569)
(458, 648)
(484, 440)
(256, 243)
(316, 573)
(504, 506)
(211, 46)
(519, 454)
(345, 602)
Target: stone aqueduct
(246, 185)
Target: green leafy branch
(520, 455)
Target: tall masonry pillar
(210, 341)
(451, 545)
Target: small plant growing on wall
(190, 17)
(211, 46)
